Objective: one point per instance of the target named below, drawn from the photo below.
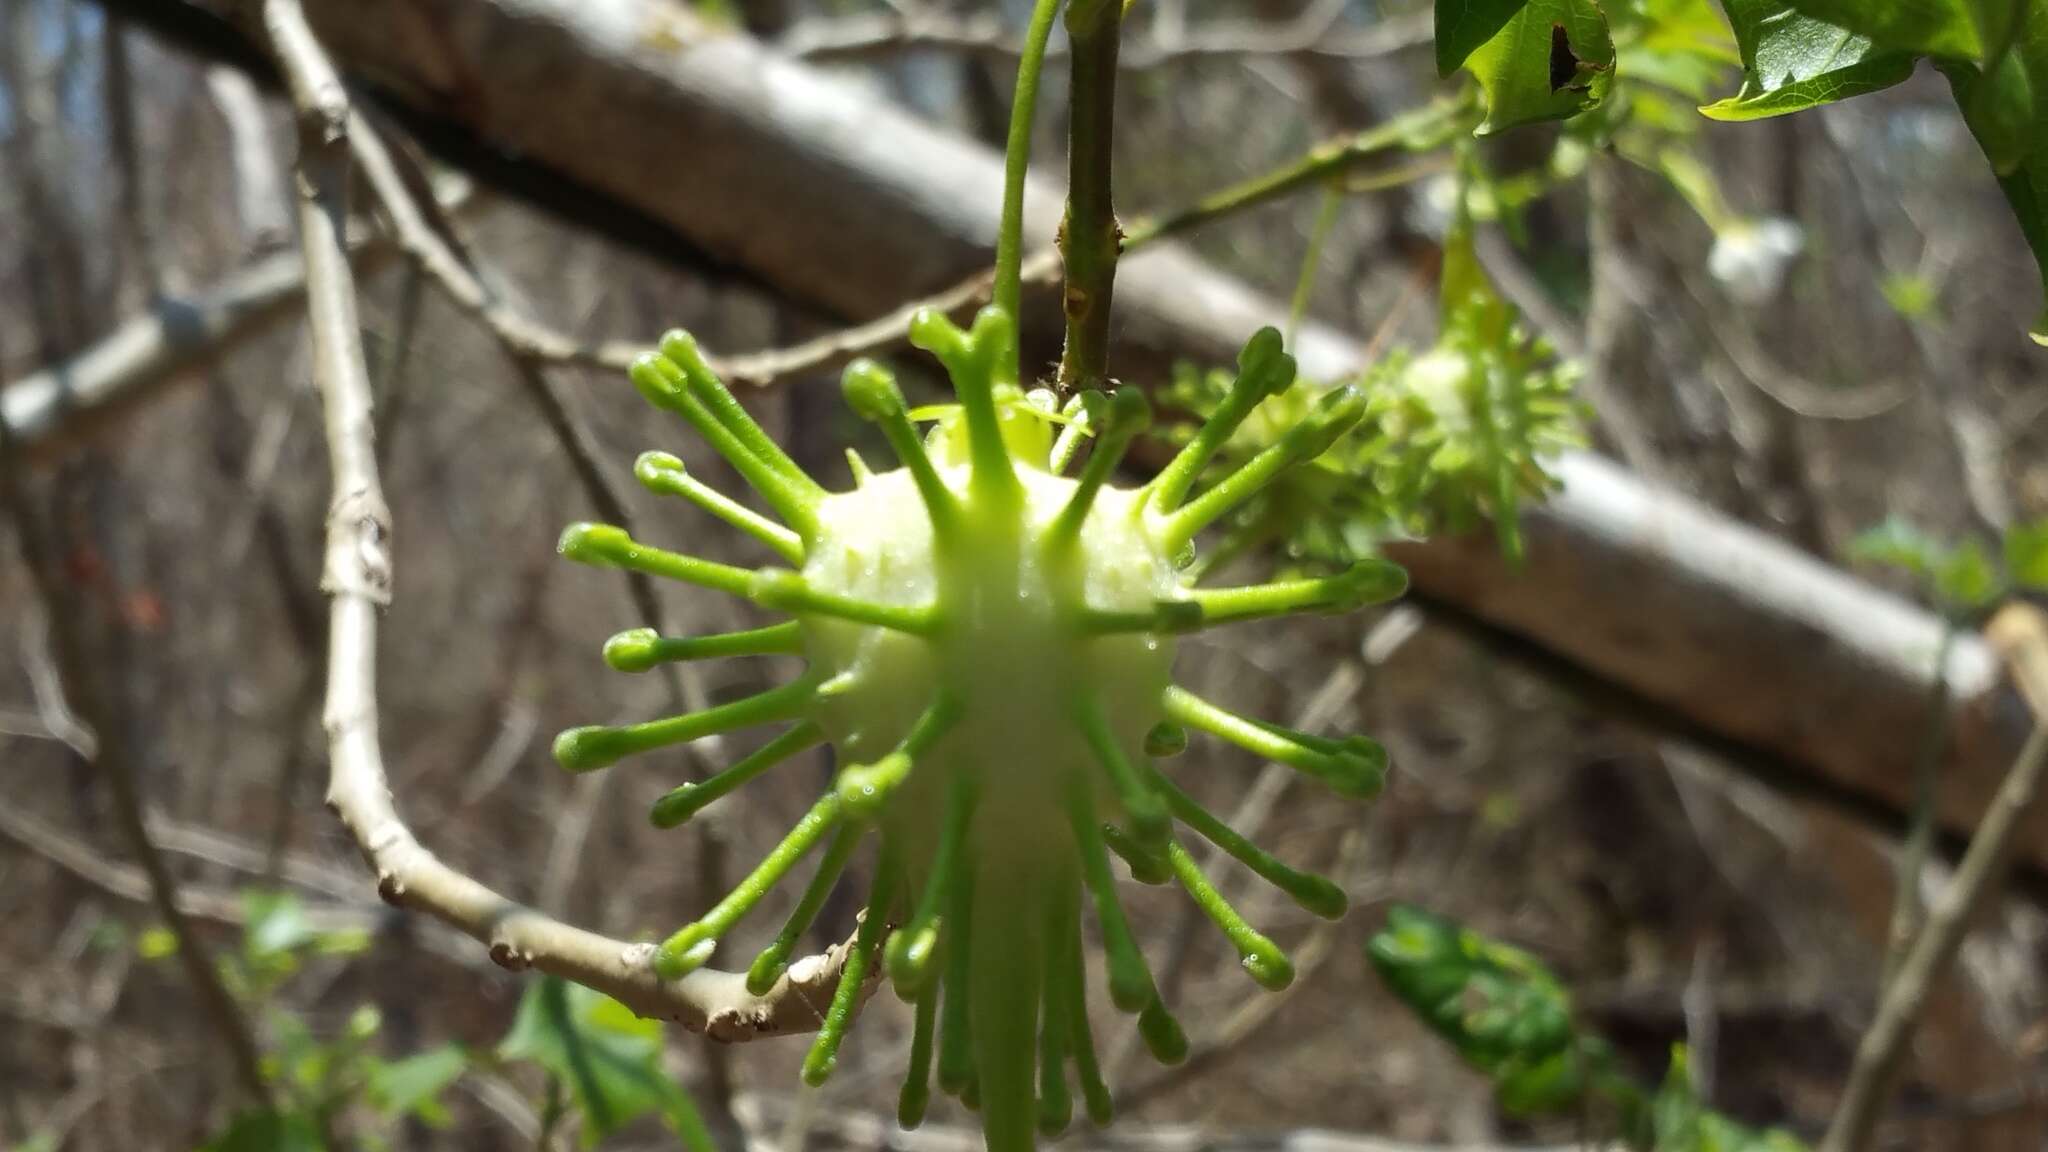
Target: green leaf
(1964, 29)
(1551, 60)
(1966, 578)
(1792, 62)
(156, 943)
(610, 1059)
(276, 924)
(2026, 555)
(1898, 544)
(413, 1085)
(1497, 1005)
(1463, 25)
(1910, 294)
(2007, 111)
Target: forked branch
(357, 577)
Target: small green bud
(1166, 739)
(1335, 414)
(935, 332)
(680, 348)
(632, 650)
(657, 379)
(600, 544)
(657, 470)
(589, 748)
(864, 788)
(1264, 359)
(1270, 967)
(910, 957)
(871, 391)
(1162, 1034)
(1369, 581)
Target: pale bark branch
(357, 576)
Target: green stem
(1427, 127)
(773, 961)
(1090, 238)
(1003, 1002)
(1312, 260)
(1009, 288)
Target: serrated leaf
(1964, 29)
(2026, 555)
(1463, 25)
(1551, 60)
(1792, 62)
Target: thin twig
(2020, 633)
(889, 33)
(357, 576)
(110, 758)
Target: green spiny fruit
(990, 645)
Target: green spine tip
(589, 748)
(994, 336)
(1372, 581)
(871, 391)
(588, 543)
(1055, 1107)
(652, 469)
(1162, 1034)
(909, 959)
(1145, 863)
(656, 378)
(1165, 740)
(1336, 413)
(632, 650)
(681, 349)
(683, 953)
(1101, 1108)
(934, 332)
(865, 788)
(679, 804)
(1271, 968)
(1264, 361)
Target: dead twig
(2020, 634)
(357, 575)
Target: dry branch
(841, 200)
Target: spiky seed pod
(990, 645)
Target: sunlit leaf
(1792, 62)
(2026, 555)
(1959, 28)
